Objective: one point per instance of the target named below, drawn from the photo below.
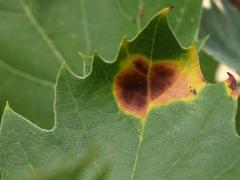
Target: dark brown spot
(132, 87)
(193, 91)
(138, 84)
(141, 65)
(161, 78)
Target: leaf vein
(142, 132)
(26, 75)
(41, 31)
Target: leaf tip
(6, 111)
(166, 10)
(7, 107)
(7, 104)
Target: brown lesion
(161, 77)
(141, 65)
(141, 83)
(232, 85)
(132, 88)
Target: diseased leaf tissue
(142, 83)
(150, 113)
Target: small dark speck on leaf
(194, 91)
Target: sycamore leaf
(36, 36)
(223, 26)
(149, 112)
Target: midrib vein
(85, 27)
(137, 154)
(143, 127)
(26, 75)
(41, 31)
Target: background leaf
(37, 36)
(223, 27)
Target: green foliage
(186, 139)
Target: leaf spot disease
(140, 84)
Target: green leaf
(223, 27)
(157, 127)
(37, 36)
(208, 66)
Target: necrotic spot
(161, 78)
(140, 82)
(132, 89)
(141, 65)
